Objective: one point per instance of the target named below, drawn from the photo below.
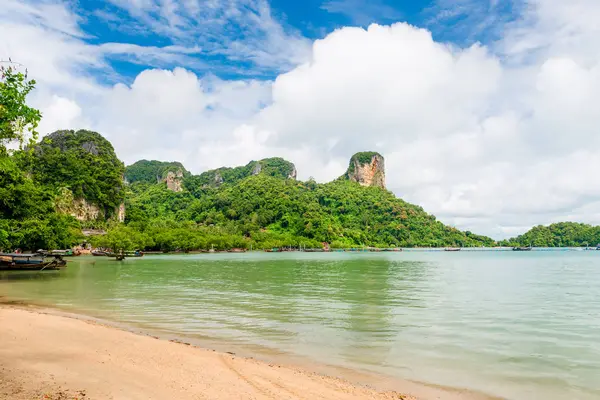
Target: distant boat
(64, 253)
(452, 249)
(522, 248)
(123, 255)
(99, 253)
(19, 261)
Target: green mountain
(562, 234)
(260, 204)
(152, 171)
(81, 161)
(44, 188)
(277, 167)
(265, 209)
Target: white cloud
(243, 31)
(491, 139)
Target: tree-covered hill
(152, 171)
(562, 234)
(82, 161)
(276, 166)
(271, 211)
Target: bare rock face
(79, 208)
(293, 173)
(174, 181)
(367, 168)
(120, 212)
(84, 211)
(257, 168)
(218, 179)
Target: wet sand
(44, 355)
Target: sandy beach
(44, 355)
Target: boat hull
(47, 265)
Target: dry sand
(48, 356)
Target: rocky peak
(367, 168)
(174, 180)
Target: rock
(367, 168)
(84, 211)
(293, 172)
(90, 147)
(120, 212)
(257, 168)
(218, 179)
(175, 180)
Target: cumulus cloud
(492, 138)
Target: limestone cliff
(120, 212)
(367, 168)
(85, 210)
(174, 180)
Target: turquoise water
(514, 325)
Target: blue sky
(209, 34)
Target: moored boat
(522, 248)
(99, 253)
(126, 254)
(452, 249)
(19, 261)
(62, 253)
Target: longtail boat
(522, 248)
(122, 255)
(452, 249)
(65, 253)
(18, 261)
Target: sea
(514, 325)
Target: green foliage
(82, 161)
(562, 234)
(361, 158)
(121, 239)
(276, 167)
(273, 212)
(152, 171)
(16, 117)
(364, 157)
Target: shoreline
(47, 351)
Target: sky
(487, 111)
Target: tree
(17, 119)
(121, 239)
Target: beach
(46, 355)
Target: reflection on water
(515, 325)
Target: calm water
(515, 325)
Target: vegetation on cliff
(276, 167)
(367, 168)
(562, 234)
(152, 171)
(82, 161)
(266, 211)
